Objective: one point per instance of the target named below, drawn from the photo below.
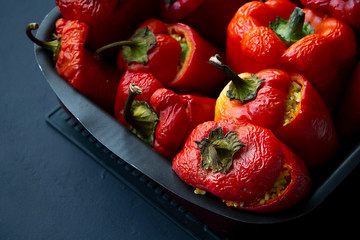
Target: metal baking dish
(126, 146)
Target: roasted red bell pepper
(97, 80)
(344, 10)
(347, 120)
(244, 165)
(108, 20)
(174, 53)
(157, 115)
(318, 46)
(208, 17)
(285, 103)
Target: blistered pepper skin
(254, 170)
(344, 10)
(311, 134)
(94, 78)
(296, 190)
(109, 20)
(171, 130)
(178, 115)
(253, 46)
(267, 109)
(199, 109)
(163, 58)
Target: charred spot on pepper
(292, 102)
(218, 149)
(278, 188)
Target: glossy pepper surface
(157, 115)
(178, 59)
(318, 46)
(97, 80)
(344, 10)
(208, 17)
(108, 20)
(244, 165)
(285, 103)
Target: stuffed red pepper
(285, 103)
(244, 165)
(277, 34)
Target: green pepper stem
(54, 45)
(133, 92)
(215, 60)
(292, 30)
(140, 116)
(217, 150)
(135, 49)
(242, 89)
(128, 43)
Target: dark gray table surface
(49, 189)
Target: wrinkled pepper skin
(171, 130)
(108, 20)
(253, 172)
(199, 109)
(311, 134)
(347, 11)
(322, 57)
(163, 58)
(96, 79)
(296, 190)
(194, 12)
(348, 116)
(177, 114)
(195, 74)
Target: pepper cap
(292, 30)
(217, 150)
